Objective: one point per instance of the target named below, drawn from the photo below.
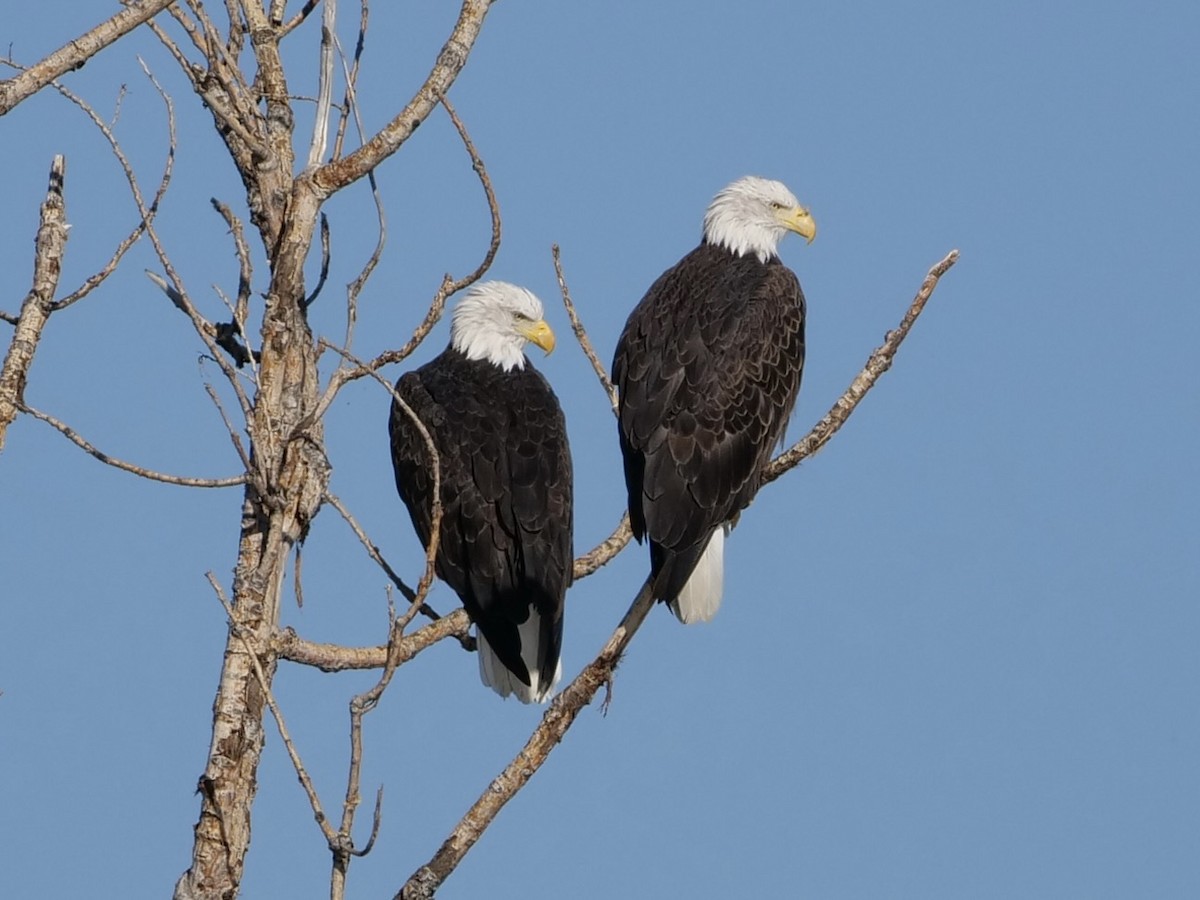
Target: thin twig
(349, 100)
(426, 610)
(241, 311)
(74, 54)
(263, 682)
(297, 20)
(173, 286)
(355, 287)
(448, 287)
(368, 700)
(878, 363)
(372, 549)
(105, 128)
(581, 333)
(139, 229)
(435, 514)
(249, 465)
(486, 181)
(74, 437)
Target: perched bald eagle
(708, 369)
(506, 543)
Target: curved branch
(335, 175)
(446, 289)
(148, 212)
(74, 437)
(74, 54)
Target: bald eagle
(506, 544)
(708, 369)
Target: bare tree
(268, 356)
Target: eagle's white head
(494, 319)
(752, 214)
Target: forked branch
(335, 175)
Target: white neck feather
(498, 349)
(741, 238)
(482, 327)
(744, 217)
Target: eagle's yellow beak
(538, 333)
(799, 220)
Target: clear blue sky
(958, 651)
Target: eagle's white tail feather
(494, 674)
(701, 596)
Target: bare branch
(229, 113)
(350, 100)
(237, 29)
(368, 700)
(603, 552)
(338, 658)
(335, 175)
(354, 289)
(193, 30)
(325, 257)
(241, 310)
(550, 731)
(49, 247)
(223, 335)
(74, 54)
(276, 13)
(150, 211)
(75, 438)
(435, 514)
(878, 363)
(99, 277)
(297, 20)
(371, 548)
(581, 334)
(320, 135)
(252, 467)
(276, 713)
